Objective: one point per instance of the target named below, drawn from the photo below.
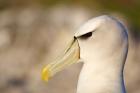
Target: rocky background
(33, 33)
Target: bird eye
(87, 35)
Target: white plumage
(102, 46)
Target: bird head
(94, 40)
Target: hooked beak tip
(70, 56)
(45, 74)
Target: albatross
(102, 45)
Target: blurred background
(34, 32)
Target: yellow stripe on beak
(71, 55)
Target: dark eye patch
(87, 35)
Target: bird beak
(70, 56)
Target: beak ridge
(70, 56)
